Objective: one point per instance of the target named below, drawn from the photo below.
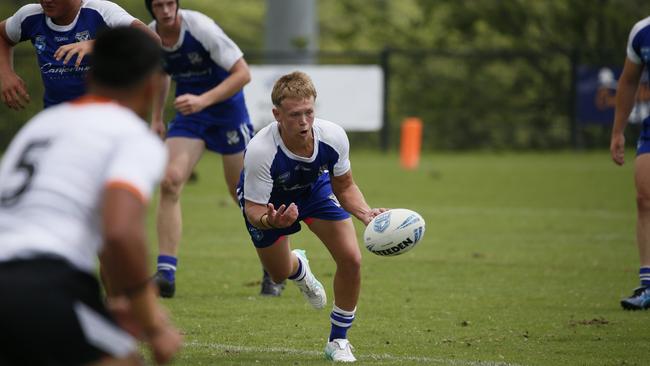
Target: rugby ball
(394, 232)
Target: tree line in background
(488, 74)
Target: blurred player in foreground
(297, 169)
(638, 57)
(210, 73)
(74, 184)
(62, 32)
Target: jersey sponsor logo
(323, 169)
(303, 168)
(381, 222)
(284, 177)
(60, 39)
(60, 71)
(39, 44)
(232, 137)
(195, 58)
(82, 36)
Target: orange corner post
(411, 142)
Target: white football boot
(313, 290)
(339, 350)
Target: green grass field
(524, 261)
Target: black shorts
(53, 314)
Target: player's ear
(276, 113)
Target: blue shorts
(643, 144)
(321, 204)
(224, 139)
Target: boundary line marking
(366, 357)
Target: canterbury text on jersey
(63, 82)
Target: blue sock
(300, 272)
(167, 266)
(341, 322)
(644, 276)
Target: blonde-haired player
(298, 169)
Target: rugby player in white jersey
(298, 169)
(74, 185)
(210, 72)
(62, 33)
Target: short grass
(524, 261)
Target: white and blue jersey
(638, 52)
(273, 174)
(63, 82)
(199, 61)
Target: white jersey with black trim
(54, 173)
(272, 173)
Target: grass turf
(524, 261)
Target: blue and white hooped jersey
(274, 174)
(63, 82)
(201, 60)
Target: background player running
(210, 72)
(74, 184)
(297, 169)
(638, 57)
(62, 32)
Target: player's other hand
(158, 127)
(283, 217)
(189, 103)
(165, 341)
(374, 212)
(68, 51)
(617, 148)
(14, 91)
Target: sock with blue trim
(341, 322)
(300, 272)
(167, 266)
(644, 276)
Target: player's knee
(350, 263)
(643, 202)
(172, 183)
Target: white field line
(367, 357)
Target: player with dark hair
(62, 32)
(210, 73)
(298, 169)
(638, 58)
(74, 184)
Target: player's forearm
(227, 88)
(625, 98)
(6, 52)
(352, 201)
(160, 99)
(254, 213)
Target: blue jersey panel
(194, 72)
(62, 82)
(641, 46)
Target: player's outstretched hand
(68, 51)
(14, 91)
(283, 217)
(189, 103)
(372, 214)
(166, 341)
(617, 148)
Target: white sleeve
(223, 51)
(113, 14)
(632, 53)
(138, 164)
(335, 136)
(258, 182)
(14, 23)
